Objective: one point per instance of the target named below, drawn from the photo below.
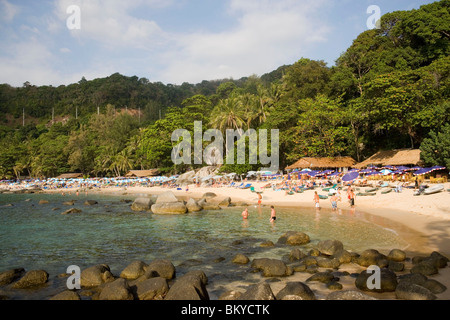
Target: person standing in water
(245, 214)
(316, 200)
(273, 214)
(259, 199)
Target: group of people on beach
(335, 197)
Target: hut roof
(324, 162)
(392, 158)
(70, 175)
(142, 173)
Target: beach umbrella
(438, 168)
(398, 172)
(313, 173)
(385, 171)
(415, 168)
(350, 176)
(403, 168)
(423, 171)
(327, 172)
(354, 170)
(365, 171)
(334, 174)
(389, 168)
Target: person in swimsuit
(245, 214)
(259, 199)
(273, 214)
(333, 201)
(316, 199)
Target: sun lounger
(323, 197)
(248, 185)
(363, 194)
(386, 191)
(239, 186)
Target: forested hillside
(389, 89)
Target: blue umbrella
(438, 168)
(327, 172)
(350, 176)
(423, 171)
(366, 171)
(373, 173)
(314, 173)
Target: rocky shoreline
(401, 277)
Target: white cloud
(112, 24)
(8, 11)
(269, 34)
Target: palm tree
(228, 114)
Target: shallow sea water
(38, 236)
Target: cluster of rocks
(168, 203)
(157, 280)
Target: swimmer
(245, 214)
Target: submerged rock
(294, 238)
(8, 276)
(260, 291)
(72, 210)
(116, 290)
(33, 278)
(191, 286)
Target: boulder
(416, 278)
(425, 267)
(296, 254)
(42, 201)
(266, 244)
(160, 268)
(297, 289)
(230, 295)
(261, 291)
(241, 259)
(294, 238)
(7, 277)
(33, 278)
(434, 286)
(370, 257)
(72, 210)
(186, 178)
(191, 286)
(69, 203)
(328, 263)
(343, 256)
(349, 295)
(330, 247)
(396, 266)
(396, 255)
(116, 290)
(334, 285)
(169, 208)
(134, 270)
(193, 206)
(96, 275)
(152, 289)
(225, 202)
(388, 281)
(142, 204)
(411, 291)
(323, 277)
(166, 197)
(271, 267)
(66, 295)
(90, 202)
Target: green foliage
(388, 90)
(435, 149)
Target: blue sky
(175, 41)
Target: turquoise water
(38, 236)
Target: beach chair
(252, 189)
(239, 186)
(248, 185)
(231, 184)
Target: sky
(57, 42)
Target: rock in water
(116, 290)
(193, 206)
(66, 295)
(72, 210)
(142, 204)
(96, 275)
(152, 289)
(169, 208)
(411, 291)
(134, 270)
(191, 286)
(31, 279)
(330, 247)
(6, 277)
(294, 238)
(166, 197)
